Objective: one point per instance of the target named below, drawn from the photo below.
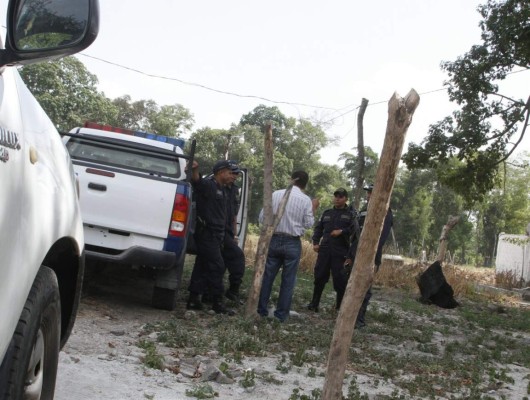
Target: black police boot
(194, 302)
(317, 293)
(360, 321)
(233, 293)
(219, 308)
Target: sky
(313, 59)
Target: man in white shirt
(285, 247)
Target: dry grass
(398, 274)
(508, 280)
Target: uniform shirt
(298, 215)
(211, 204)
(332, 219)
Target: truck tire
(166, 287)
(29, 368)
(164, 299)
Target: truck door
(244, 198)
(13, 160)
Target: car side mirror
(47, 29)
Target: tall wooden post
(270, 222)
(442, 246)
(359, 179)
(266, 230)
(400, 112)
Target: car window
(114, 155)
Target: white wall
(513, 257)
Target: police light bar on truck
(153, 136)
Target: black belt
(281, 234)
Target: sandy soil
(102, 361)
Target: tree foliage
(68, 93)
(147, 115)
(488, 125)
(352, 165)
(296, 146)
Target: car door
(244, 198)
(13, 164)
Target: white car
(41, 239)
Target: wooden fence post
(270, 222)
(400, 111)
(442, 247)
(359, 178)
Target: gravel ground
(102, 361)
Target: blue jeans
(284, 252)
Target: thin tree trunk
(400, 113)
(267, 229)
(261, 254)
(359, 179)
(442, 247)
(270, 222)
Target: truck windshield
(122, 157)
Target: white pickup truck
(136, 201)
(41, 239)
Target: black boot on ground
(219, 308)
(317, 293)
(360, 321)
(194, 302)
(233, 293)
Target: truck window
(131, 159)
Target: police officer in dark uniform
(233, 256)
(331, 239)
(387, 225)
(209, 236)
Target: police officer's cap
(369, 187)
(234, 167)
(222, 164)
(340, 192)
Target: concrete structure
(513, 255)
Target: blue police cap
(222, 164)
(234, 167)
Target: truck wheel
(29, 368)
(164, 299)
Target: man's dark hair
(300, 179)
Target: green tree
(411, 204)
(296, 146)
(505, 209)
(147, 115)
(219, 144)
(351, 165)
(445, 203)
(132, 114)
(488, 125)
(67, 92)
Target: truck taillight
(179, 216)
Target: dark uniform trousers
(234, 260)
(209, 266)
(332, 252)
(209, 237)
(330, 261)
